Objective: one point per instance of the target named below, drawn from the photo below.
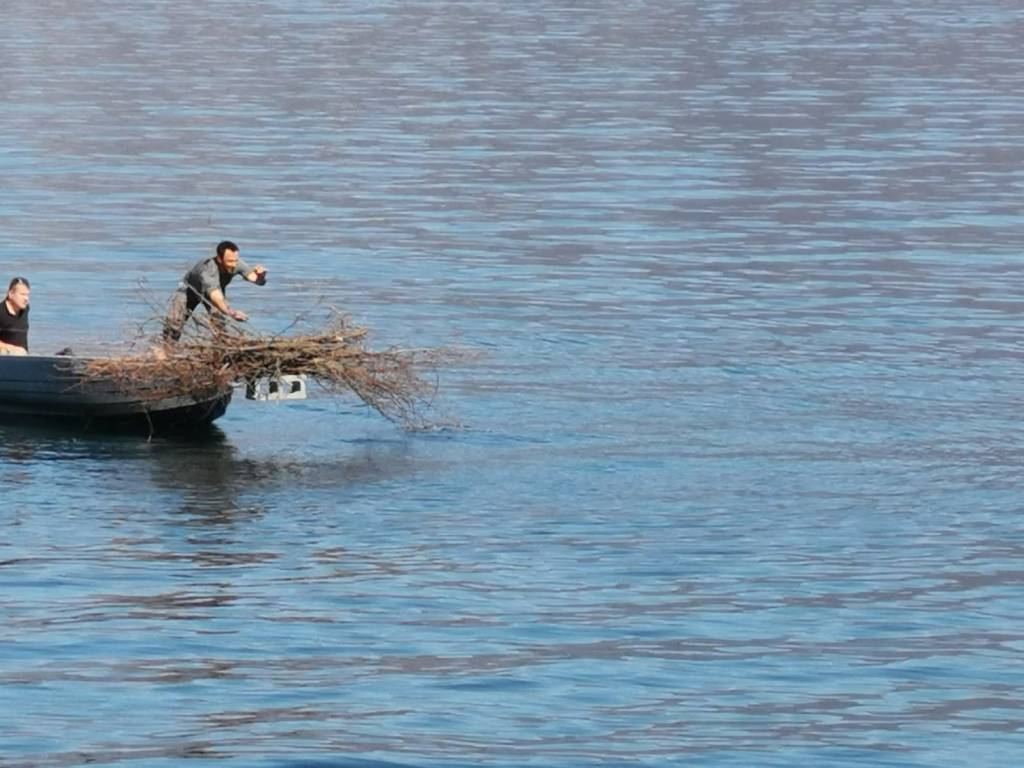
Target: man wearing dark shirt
(205, 283)
(14, 318)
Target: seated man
(14, 318)
(205, 284)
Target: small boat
(57, 389)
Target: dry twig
(210, 357)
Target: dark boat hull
(52, 389)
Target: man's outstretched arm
(220, 303)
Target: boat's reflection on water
(205, 473)
(42, 440)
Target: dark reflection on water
(61, 441)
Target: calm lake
(737, 481)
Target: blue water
(737, 482)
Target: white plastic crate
(288, 387)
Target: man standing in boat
(14, 318)
(205, 284)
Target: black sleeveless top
(13, 328)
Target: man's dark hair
(18, 281)
(225, 245)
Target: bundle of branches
(209, 360)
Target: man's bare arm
(220, 303)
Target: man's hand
(220, 303)
(259, 274)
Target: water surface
(738, 482)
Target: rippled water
(739, 478)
